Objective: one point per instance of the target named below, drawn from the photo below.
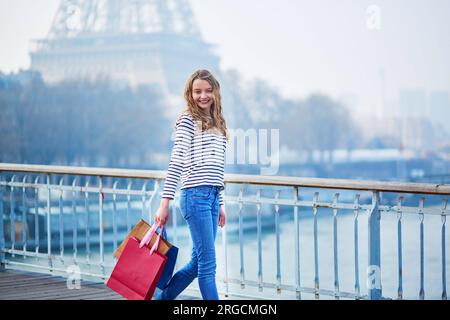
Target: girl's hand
(162, 215)
(222, 216)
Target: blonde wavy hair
(216, 118)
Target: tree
(80, 122)
(318, 123)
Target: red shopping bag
(138, 269)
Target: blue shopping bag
(171, 255)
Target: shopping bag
(139, 231)
(138, 269)
(165, 248)
(171, 255)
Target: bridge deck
(25, 285)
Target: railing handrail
(324, 183)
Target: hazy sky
(297, 46)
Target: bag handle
(162, 231)
(156, 244)
(146, 239)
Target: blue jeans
(200, 208)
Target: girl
(198, 157)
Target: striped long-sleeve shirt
(198, 157)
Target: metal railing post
(101, 200)
(316, 247)
(259, 239)
(225, 253)
(444, 277)
(49, 225)
(24, 217)
(2, 233)
(277, 239)
(356, 245)
(36, 218)
(297, 245)
(241, 240)
(400, 249)
(12, 216)
(374, 266)
(75, 220)
(335, 247)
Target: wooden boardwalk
(25, 285)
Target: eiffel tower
(137, 41)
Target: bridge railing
(57, 219)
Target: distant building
(413, 103)
(439, 104)
(145, 42)
(140, 42)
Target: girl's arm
(183, 137)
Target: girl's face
(202, 93)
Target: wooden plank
(6, 275)
(27, 279)
(106, 295)
(114, 296)
(31, 282)
(82, 294)
(47, 285)
(20, 275)
(76, 295)
(53, 292)
(36, 289)
(101, 295)
(30, 285)
(21, 281)
(14, 277)
(24, 285)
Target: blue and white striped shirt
(198, 157)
